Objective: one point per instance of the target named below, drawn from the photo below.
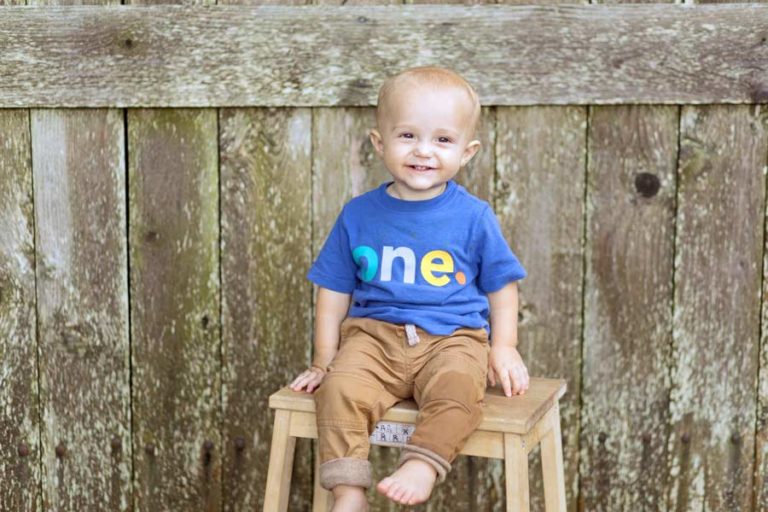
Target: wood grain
(177, 56)
(81, 268)
(540, 166)
(175, 328)
(266, 187)
(761, 424)
(720, 213)
(345, 165)
(628, 307)
(19, 400)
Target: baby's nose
(424, 148)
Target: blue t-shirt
(428, 263)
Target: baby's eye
(444, 140)
(407, 135)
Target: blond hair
(431, 76)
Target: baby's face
(425, 138)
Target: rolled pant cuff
(410, 451)
(345, 471)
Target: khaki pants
(375, 368)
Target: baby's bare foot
(412, 483)
(349, 498)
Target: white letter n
(409, 263)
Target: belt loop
(410, 331)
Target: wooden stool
(511, 428)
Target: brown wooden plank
(79, 183)
(174, 257)
(345, 164)
(720, 213)
(166, 56)
(266, 184)
(627, 312)
(540, 165)
(270, 226)
(19, 400)
(466, 487)
(761, 425)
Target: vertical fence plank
(540, 161)
(716, 307)
(79, 183)
(344, 165)
(628, 307)
(266, 186)
(292, 340)
(761, 434)
(19, 400)
(174, 237)
(472, 481)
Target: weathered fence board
(345, 165)
(761, 425)
(81, 269)
(540, 162)
(19, 399)
(628, 307)
(266, 190)
(720, 213)
(175, 314)
(474, 482)
(174, 56)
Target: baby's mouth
(421, 167)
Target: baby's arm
(505, 363)
(330, 311)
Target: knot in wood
(61, 450)
(23, 449)
(647, 184)
(116, 444)
(239, 444)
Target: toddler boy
(421, 262)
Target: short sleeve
(334, 267)
(498, 264)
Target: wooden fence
(153, 260)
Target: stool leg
(322, 500)
(552, 465)
(280, 464)
(516, 473)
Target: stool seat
(510, 429)
(517, 414)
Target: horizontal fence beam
(177, 56)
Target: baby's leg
(351, 399)
(349, 498)
(449, 390)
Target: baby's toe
(384, 486)
(396, 492)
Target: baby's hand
(506, 366)
(309, 378)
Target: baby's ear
(375, 137)
(470, 151)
